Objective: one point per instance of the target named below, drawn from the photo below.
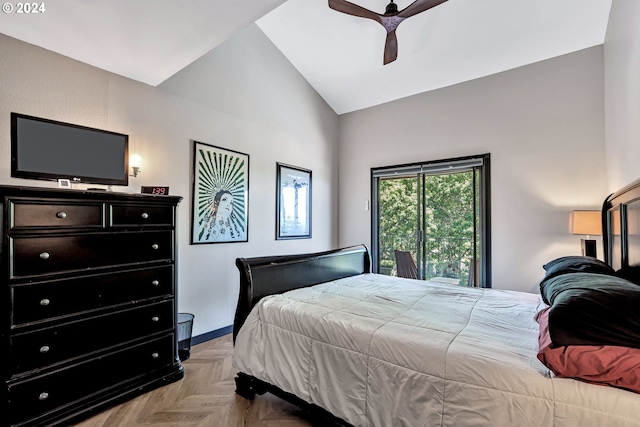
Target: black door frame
(484, 208)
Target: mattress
(376, 350)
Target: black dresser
(88, 301)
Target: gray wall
(543, 125)
(244, 96)
(622, 93)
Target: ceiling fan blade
(353, 9)
(419, 6)
(390, 47)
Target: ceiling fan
(389, 20)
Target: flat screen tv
(50, 150)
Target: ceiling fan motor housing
(391, 8)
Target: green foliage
(448, 218)
(398, 219)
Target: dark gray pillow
(574, 264)
(592, 309)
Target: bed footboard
(262, 276)
(248, 387)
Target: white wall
(244, 96)
(622, 93)
(543, 125)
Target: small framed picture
(293, 198)
(64, 183)
(159, 191)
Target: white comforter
(385, 351)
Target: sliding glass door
(439, 213)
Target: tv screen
(51, 150)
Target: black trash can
(185, 328)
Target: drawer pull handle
(155, 246)
(155, 283)
(44, 302)
(44, 255)
(155, 355)
(144, 215)
(155, 319)
(44, 349)
(43, 396)
(61, 215)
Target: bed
(361, 349)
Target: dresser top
(59, 193)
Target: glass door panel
(449, 224)
(397, 220)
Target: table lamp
(586, 223)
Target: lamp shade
(585, 222)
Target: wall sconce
(586, 223)
(135, 161)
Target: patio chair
(405, 265)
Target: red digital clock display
(161, 191)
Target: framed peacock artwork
(220, 195)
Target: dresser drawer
(35, 302)
(45, 347)
(80, 382)
(27, 214)
(33, 256)
(139, 215)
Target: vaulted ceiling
(340, 55)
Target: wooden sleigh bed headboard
(621, 227)
(262, 276)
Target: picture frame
(220, 197)
(293, 202)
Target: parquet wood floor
(205, 397)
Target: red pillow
(598, 364)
